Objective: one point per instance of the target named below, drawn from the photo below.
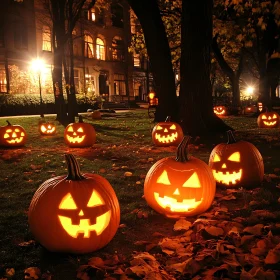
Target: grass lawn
(250, 219)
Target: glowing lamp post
(38, 66)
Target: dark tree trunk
(233, 76)
(158, 49)
(196, 108)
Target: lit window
(91, 14)
(136, 60)
(47, 44)
(88, 46)
(3, 81)
(100, 49)
(119, 84)
(117, 48)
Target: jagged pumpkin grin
(166, 138)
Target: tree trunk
(196, 108)
(158, 49)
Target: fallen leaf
(182, 224)
(32, 273)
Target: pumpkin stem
(74, 172)
(231, 138)
(168, 118)
(80, 119)
(182, 150)
(8, 122)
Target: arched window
(88, 46)
(47, 43)
(117, 15)
(100, 49)
(117, 48)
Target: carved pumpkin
(236, 164)
(75, 213)
(46, 128)
(220, 110)
(181, 186)
(79, 135)
(96, 115)
(12, 135)
(167, 133)
(268, 120)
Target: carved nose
(224, 166)
(81, 213)
(165, 130)
(177, 192)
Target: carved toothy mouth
(84, 226)
(76, 139)
(227, 178)
(220, 113)
(173, 205)
(269, 123)
(166, 139)
(15, 140)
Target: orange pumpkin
(220, 110)
(180, 187)
(268, 120)
(79, 135)
(236, 164)
(46, 128)
(12, 136)
(78, 213)
(167, 133)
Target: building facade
(103, 66)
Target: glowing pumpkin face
(236, 164)
(268, 120)
(78, 135)
(79, 220)
(167, 133)
(78, 213)
(179, 187)
(12, 135)
(220, 110)
(47, 128)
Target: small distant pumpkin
(12, 135)
(180, 186)
(220, 110)
(167, 133)
(80, 134)
(236, 164)
(46, 128)
(78, 213)
(96, 114)
(268, 120)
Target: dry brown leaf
(182, 224)
(10, 272)
(214, 231)
(273, 256)
(255, 230)
(127, 174)
(96, 261)
(32, 273)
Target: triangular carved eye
(159, 127)
(235, 157)
(70, 129)
(192, 182)
(95, 200)
(68, 203)
(264, 117)
(216, 158)
(274, 116)
(80, 129)
(163, 179)
(173, 126)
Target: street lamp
(38, 66)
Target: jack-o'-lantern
(268, 120)
(220, 110)
(250, 109)
(46, 128)
(78, 213)
(180, 187)
(167, 133)
(236, 163)
(12, 135)
(96, 115)
(80, 134)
